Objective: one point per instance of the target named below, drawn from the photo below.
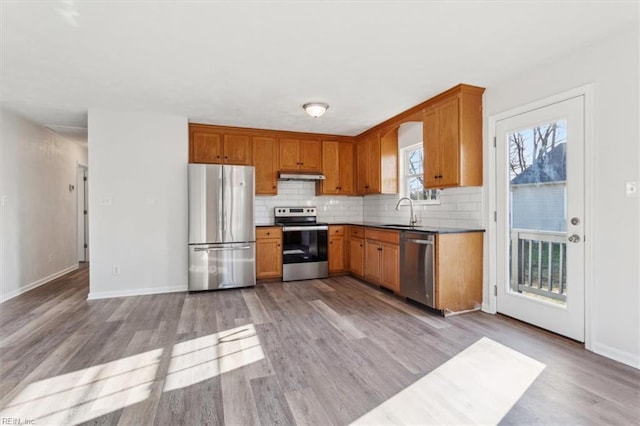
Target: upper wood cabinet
(300, 155)
(212, 146)
(204, 146)
(237, 149)
(377, 164)
(338, 168)
(452, 135)
(265, 160)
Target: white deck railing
(538, 263)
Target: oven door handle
(305, 228)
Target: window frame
(433, 195)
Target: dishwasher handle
(424, 242)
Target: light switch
(631, 188)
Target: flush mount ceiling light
(315, 109)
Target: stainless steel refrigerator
(222, 242)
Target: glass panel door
(540, 180)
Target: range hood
(300, 176)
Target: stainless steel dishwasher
(417, 271)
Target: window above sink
(411, 176)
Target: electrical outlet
(115, 270)
(631, 188)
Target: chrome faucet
(412, 218)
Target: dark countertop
(425, 229)
(418, 228)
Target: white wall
(38, 213)
(612, 65)
(138, 202)
(338, 209)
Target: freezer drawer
(218, 266)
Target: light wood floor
(314, 352)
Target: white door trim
(588, 92)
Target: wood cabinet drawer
(336, 230)
(268, 232)
(357, 232)
(392, 237)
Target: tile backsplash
(298, 193)
(458, 208)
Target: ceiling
(254, 64)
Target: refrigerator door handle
(222, 248)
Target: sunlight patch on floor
(477, 386)
(206, 357)
(88, 393)
(92, 392)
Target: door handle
(575, 238)
(575, 221)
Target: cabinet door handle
(435, 177)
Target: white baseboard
(37, 283)
(616, 354)
(95, 295)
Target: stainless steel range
(304, 243)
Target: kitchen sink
(394, 225)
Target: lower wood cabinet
(459, 271)
(268, 252)
(382, 258)
(336, 249)
(375, 256)
(356, 251)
